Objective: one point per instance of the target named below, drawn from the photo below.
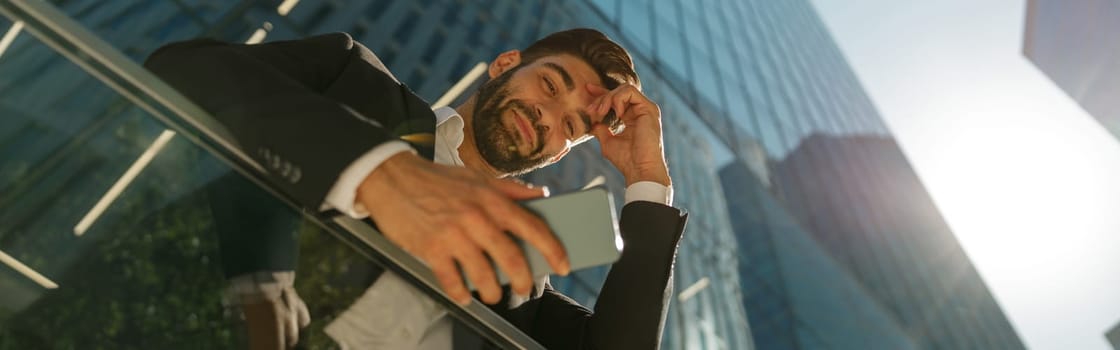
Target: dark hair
(606, 57)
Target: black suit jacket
(307, 108)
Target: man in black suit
(337, 131)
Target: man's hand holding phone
(453, 217)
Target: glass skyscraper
(1076, 44)
(811, 164)
(867, 207)
(767, 88)
(773, 147)
(797, 295)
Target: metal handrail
(84, 48)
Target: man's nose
(544, 116)
(556, 116)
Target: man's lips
(526, 131)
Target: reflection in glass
(108, 236)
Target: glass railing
(110, 186)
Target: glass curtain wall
(806, 163)
(108, 208)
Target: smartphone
(584, 222)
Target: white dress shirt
(449, 136)
(393, 314)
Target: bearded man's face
(530, 115)
(507, 148)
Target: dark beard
(494, 141)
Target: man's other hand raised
(638, 151)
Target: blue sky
(1028, 181)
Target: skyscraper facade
(767, 81)
(765, 84)
(796, 294)
(1076, 45)
(864, 204)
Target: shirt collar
(445, 113)
(449, 136)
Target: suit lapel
(374, 94)
(419, 126)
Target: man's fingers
(596, 90)
(479, 270)
(291, 326)
(503, 252)
(537, 233)
(447, 272)
(628, 101)
(622, 106)
(601, 103)
(621, 100)
(601, 131)
(607, 104)
(534, 231)
(521, 223)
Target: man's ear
(504, 62)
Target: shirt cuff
(258, 287)
(649, 191)
(343, 194)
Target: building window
(435, 43)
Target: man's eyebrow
(563, 75)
